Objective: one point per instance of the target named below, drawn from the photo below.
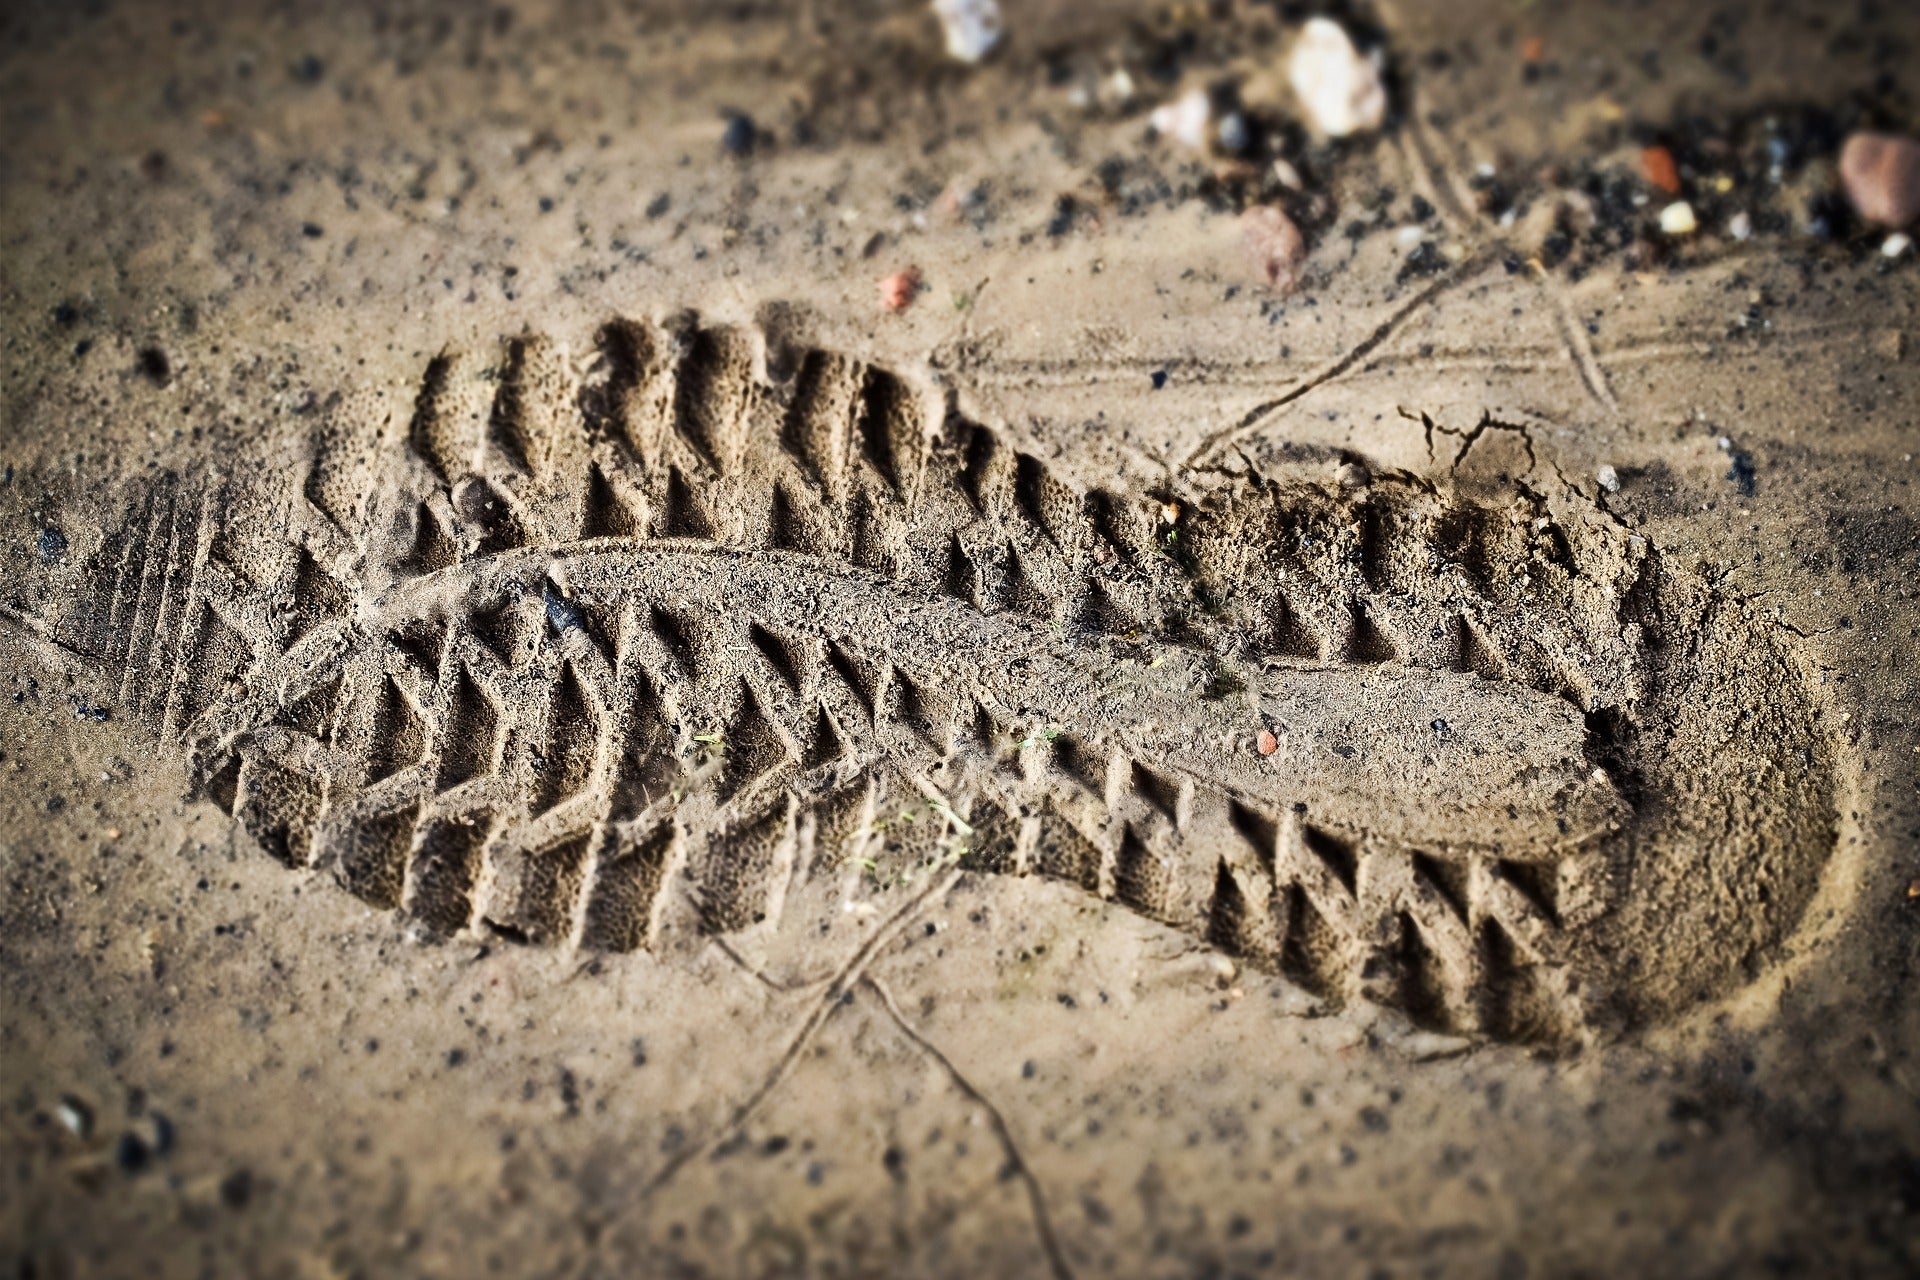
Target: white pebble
(1677, 219)
(74, 1117)
(1339, 87)
(1740, 226)
(1896, 244)
(972, 27)
(1185, 119)
(1609, 479)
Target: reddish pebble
(1657, 163)
(1276, 246)
(1881, 173)
(1532, 49)
(897, 290)
(1266, 743)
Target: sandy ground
(1665, 1027)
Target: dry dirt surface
(696, 640)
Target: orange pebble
(1276, 246)
(1266, 743)
(1532, 49)
(1657, 163)
(897, 290)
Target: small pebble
(972, 27)
(1740, 226)
(1233, 134)
(1351, 475)
(1609, 479)
(1657, 164)
(1896, 244)
(236, 1189)
(131, 1154)
(74, 1116)
(1184, 119)
(1881, 175)
(1677, 219)
(898, 290)
(1276, 246)
(1266, 744)
(737, 138)
(1339, 87)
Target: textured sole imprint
(686, 633)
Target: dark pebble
(152, 364)
(738, 137)
(1742, 473)
(51, 544)
(131, 1154)
(236, 1189)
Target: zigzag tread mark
(1237, 713)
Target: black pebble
(312, 230)
(236, 1189)
(1159, 378)
(563, 615)
(51, 544)
(1742, 473)
(130, 1153)
(308, 70)
(152, 364)
(738, 138)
